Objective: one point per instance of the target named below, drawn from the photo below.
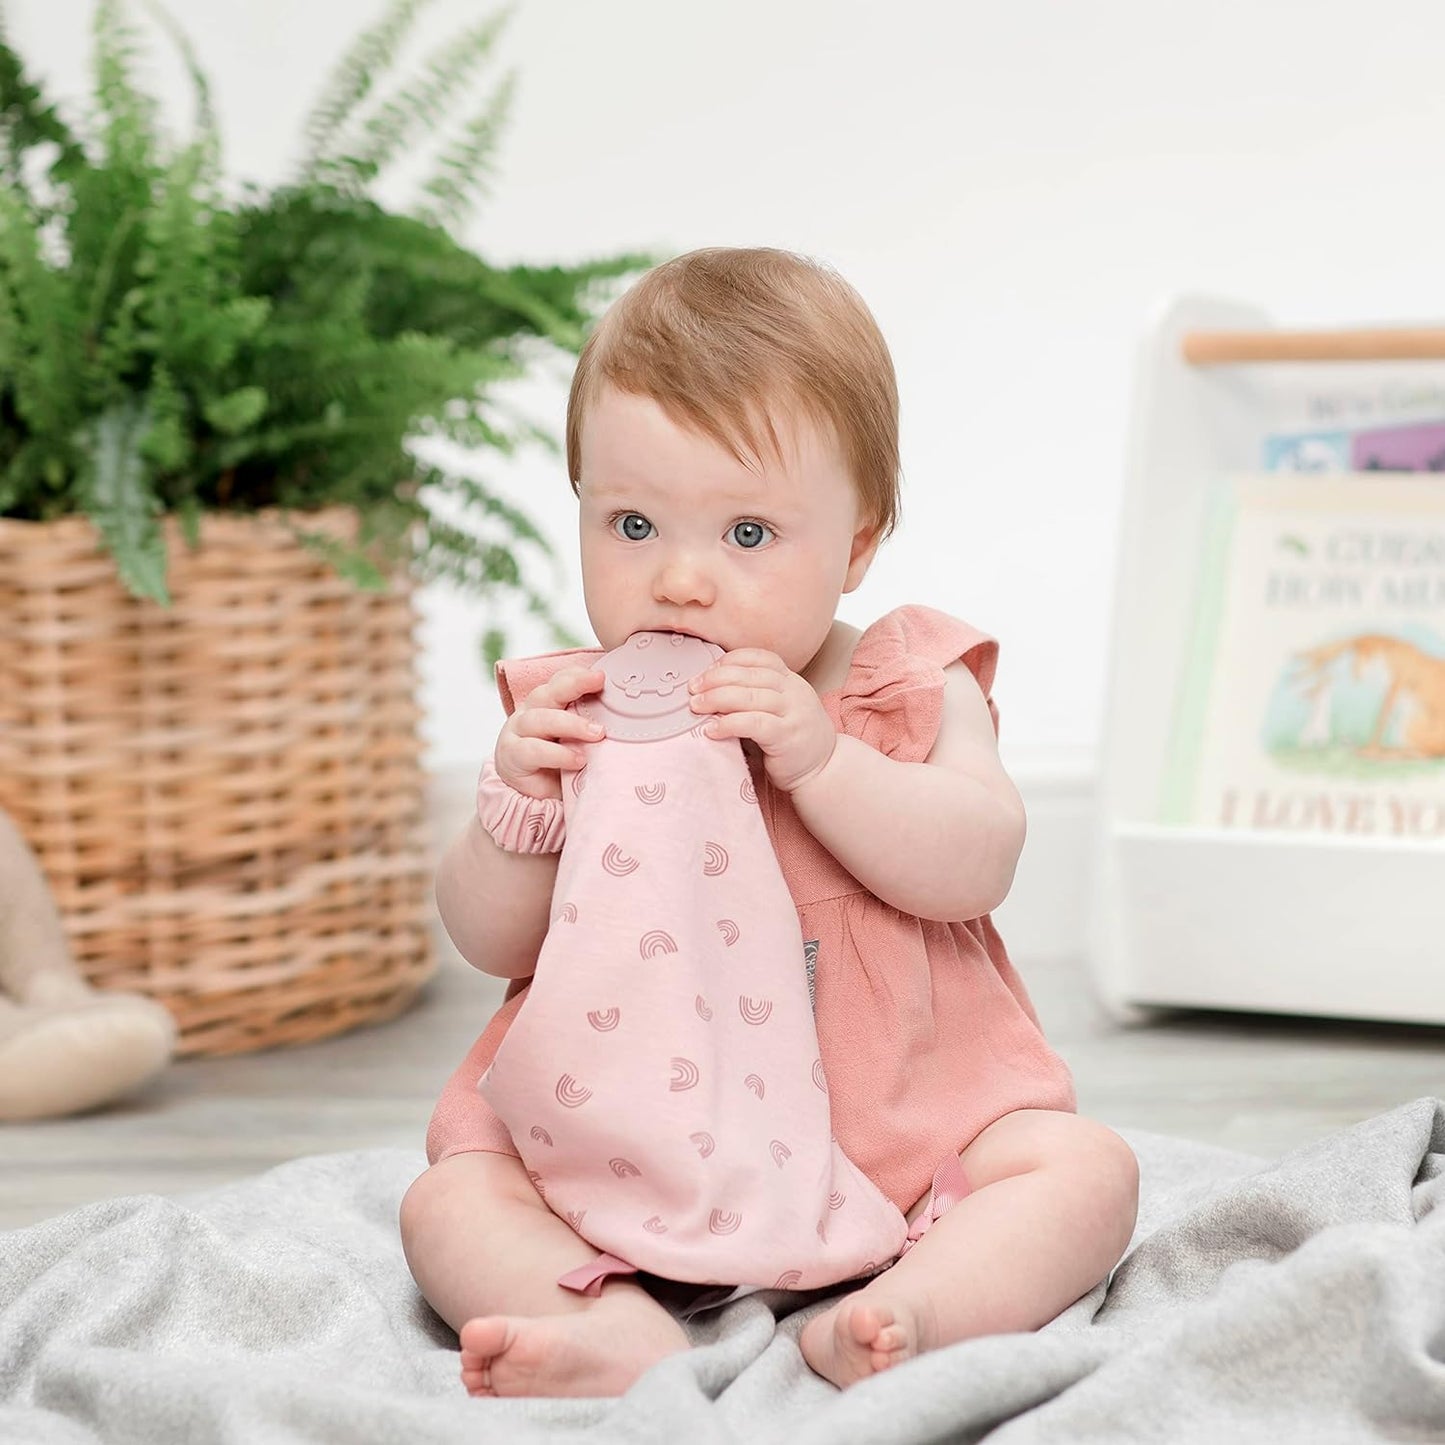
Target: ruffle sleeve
(892, 698)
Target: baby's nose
(682, 579)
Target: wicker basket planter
(226, 796)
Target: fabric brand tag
(810, 959)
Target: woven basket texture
(226, 795)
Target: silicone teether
(645, 695)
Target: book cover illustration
(1317, 700)
(1416, 447)
(1314, 451)
(1400, 449)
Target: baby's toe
(868, 1322)
(484, 1338)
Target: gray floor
(1251, 1083)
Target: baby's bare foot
(597, 1351)
(859, 1337)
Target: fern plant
(167, 349)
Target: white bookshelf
(1227, 918)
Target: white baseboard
(1043, 917)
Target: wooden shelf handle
(1226, 348)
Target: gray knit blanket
(1301, 1300)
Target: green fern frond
(207, 131)
(550, 321)
(493, 649)
(45, 386)
(463, 172)
(372, 53)
(237, 411)
(559, 303)
(129, 114)
(525, 431)
(188, 265)
(295, 439)
(120, 499)
(12, 342)
(102, 282)
(484, 424)
(120, 351)
(26, 121)
(451, 555)
(189, 514)
(476, 497)
(457, 556)
(349, 562)
(165, 444)
(419, 108)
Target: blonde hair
(717, 337)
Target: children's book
(1311, 451)
(1412, 447)
(1315, 697)
(1400, 449)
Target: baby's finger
(736, 699)
(552, 722)
(752, 657)
(720, 673)
(581, 682)
(567, 686)
(738, 725)
(539, 755)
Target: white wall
(1012, 186)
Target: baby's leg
(1052, 1209)
(486, 1252)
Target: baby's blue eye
(751, 534)
(633, 526)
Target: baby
(732, 437)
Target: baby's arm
(495, 903)
(940, 838)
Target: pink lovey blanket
(662, 1082)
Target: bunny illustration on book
(1412, 691)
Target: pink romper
(663, 1084)
(925, 1030)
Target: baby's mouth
(688, 632)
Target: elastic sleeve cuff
(516, 822)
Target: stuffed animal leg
(64, 1046)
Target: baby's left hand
(755, 695)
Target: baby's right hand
(532, 749)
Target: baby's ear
(860, 557)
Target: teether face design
(645, 695)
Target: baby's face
(678, 535)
